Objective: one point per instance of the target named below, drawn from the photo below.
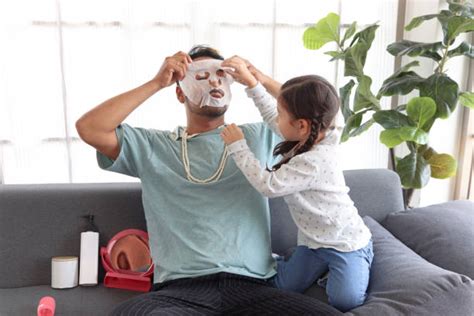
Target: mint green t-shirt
(198, 229)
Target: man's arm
(97, 127)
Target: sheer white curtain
(59, 58)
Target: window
(62, 57)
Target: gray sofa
(41, 221)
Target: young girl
(331, 234)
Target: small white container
(64, 272)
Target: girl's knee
(287, 284)
(347, 301)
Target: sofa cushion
(91, 301)
(443, 234)
(403, 283)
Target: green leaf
(453, 25)
(426, 151)
(395, 136)
(363, 96)
(366, 35)
(414, 171)
(415, 22)
(442, 166)
(345, 93)
(465, 9)
(413, 134)
(357, 53)
(392, 119)
(361, 129)
(351, 123)
(463, 49)
(355, 61)
(391, 137)
(349, 32)
(403, 83)
(414, 49)
(421, 110)
(459, 25)
(335, 54)
(467, 99)
(326, 30)
(443, 90)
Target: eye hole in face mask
(202, 76)
(220, 73)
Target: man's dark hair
(204, 51)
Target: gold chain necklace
(187, 168)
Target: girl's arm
(272, 86)
(295, 176)
(245, 73)
(266, 105)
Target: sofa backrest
(40, 221)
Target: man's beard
(207, 111)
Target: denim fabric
(348, 277)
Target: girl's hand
(241, 73)
(231, 133)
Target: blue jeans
(348, 273)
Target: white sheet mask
(197, 87)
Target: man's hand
(173, 69)
(241, 73)
(231, 133)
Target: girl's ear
(304, 127)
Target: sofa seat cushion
(403, 283)
(90, 301)
(443, 234)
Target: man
(208, 228)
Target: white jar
(64, 272)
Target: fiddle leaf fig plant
(410, 123)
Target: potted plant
(410, 123)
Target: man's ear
(180, 94)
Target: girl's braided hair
(312, 98)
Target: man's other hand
(231, 133)
(173, 69)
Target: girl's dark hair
(312, 98)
